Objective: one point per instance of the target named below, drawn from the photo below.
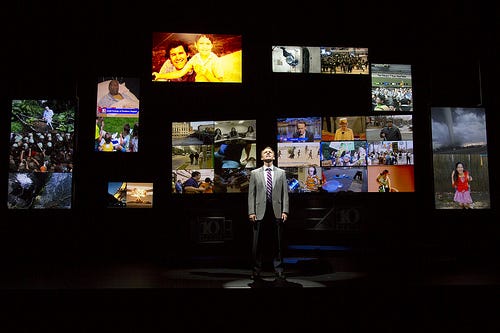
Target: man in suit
(268, 211)
(302, 134)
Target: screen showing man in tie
(268, 211)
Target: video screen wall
(41, 151)
(213, 156)
(347, 153)
(460, 158)
(196, 57)
(325, 60)
(117, 117)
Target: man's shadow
(261, 283)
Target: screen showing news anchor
(196, 57)
(117, 117)
(307, 129)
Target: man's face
(267, 155)
(178, 57)
(113, 87)
(301, 128)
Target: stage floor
(150, 296)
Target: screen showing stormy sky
(456, 128)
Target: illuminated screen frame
(130, 195)
(41, 148)
(392, 88)
(320, 60)
(224, 151)
(347, 165)
(117, 114)
(196, 58)
(459, 136)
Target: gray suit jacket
(257, 193)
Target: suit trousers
(267, 235)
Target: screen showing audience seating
(41, 150)
(219, 155)
(196, 57)
(347, 153)
(391, 87)
(324, 60)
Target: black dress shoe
(280, 280)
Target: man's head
(114, 86)
(389, 123)
(177, 51)
(301, 127)
(196, 175)
(267, 155)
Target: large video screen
(42, 143)
(347, 153)
(391, 87)
(213, 156)
(325, 60)
(117, 117)
(196, 57)
(460, 158)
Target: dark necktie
(269, 185)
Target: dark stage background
(61, 51)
